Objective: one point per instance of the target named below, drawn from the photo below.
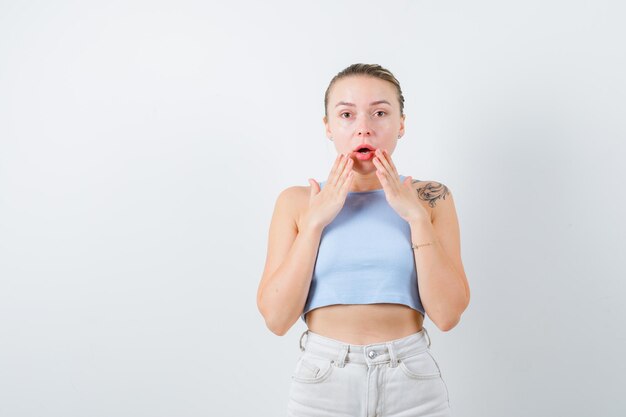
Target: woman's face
(363, 110)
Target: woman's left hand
(401, 196)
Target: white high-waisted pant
(397, 378)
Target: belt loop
(392, 355)
(301, 336)
(427, 335)
(343, 354)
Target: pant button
(372, 354)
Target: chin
(365, 167)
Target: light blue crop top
(365, 256)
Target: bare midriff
(362, 324)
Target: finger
(381, 168)
(345, 187)
(383, 160)
(389, 173)
(347, 169)
(391, 164)
(384, 177)
(337, 169)
(315, 187)
(381, 173)
(340, 170)
(335, 166)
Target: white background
(143, 145)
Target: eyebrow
(373, 103)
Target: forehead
(361, 90)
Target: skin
(350, 126)
(301, 213)
(378, 125)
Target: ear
(329, 134)
(401, 132)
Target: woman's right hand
(324, 205)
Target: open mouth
(364, 152)
(364, 149)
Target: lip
(364, 145)
(364, 156)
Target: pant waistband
(374, 353)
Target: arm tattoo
(432, 191)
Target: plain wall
(143, 145)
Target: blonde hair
(372, 70)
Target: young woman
(361, 258)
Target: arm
(442, 281)
(291, 255)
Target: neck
(365, 182)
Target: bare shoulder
(283, 228)
(438, 198)
(300, 199)
(289, 198)
(291, 203)
(432, 194)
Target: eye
(380, 111)
(341, 115)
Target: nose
(363, 129)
